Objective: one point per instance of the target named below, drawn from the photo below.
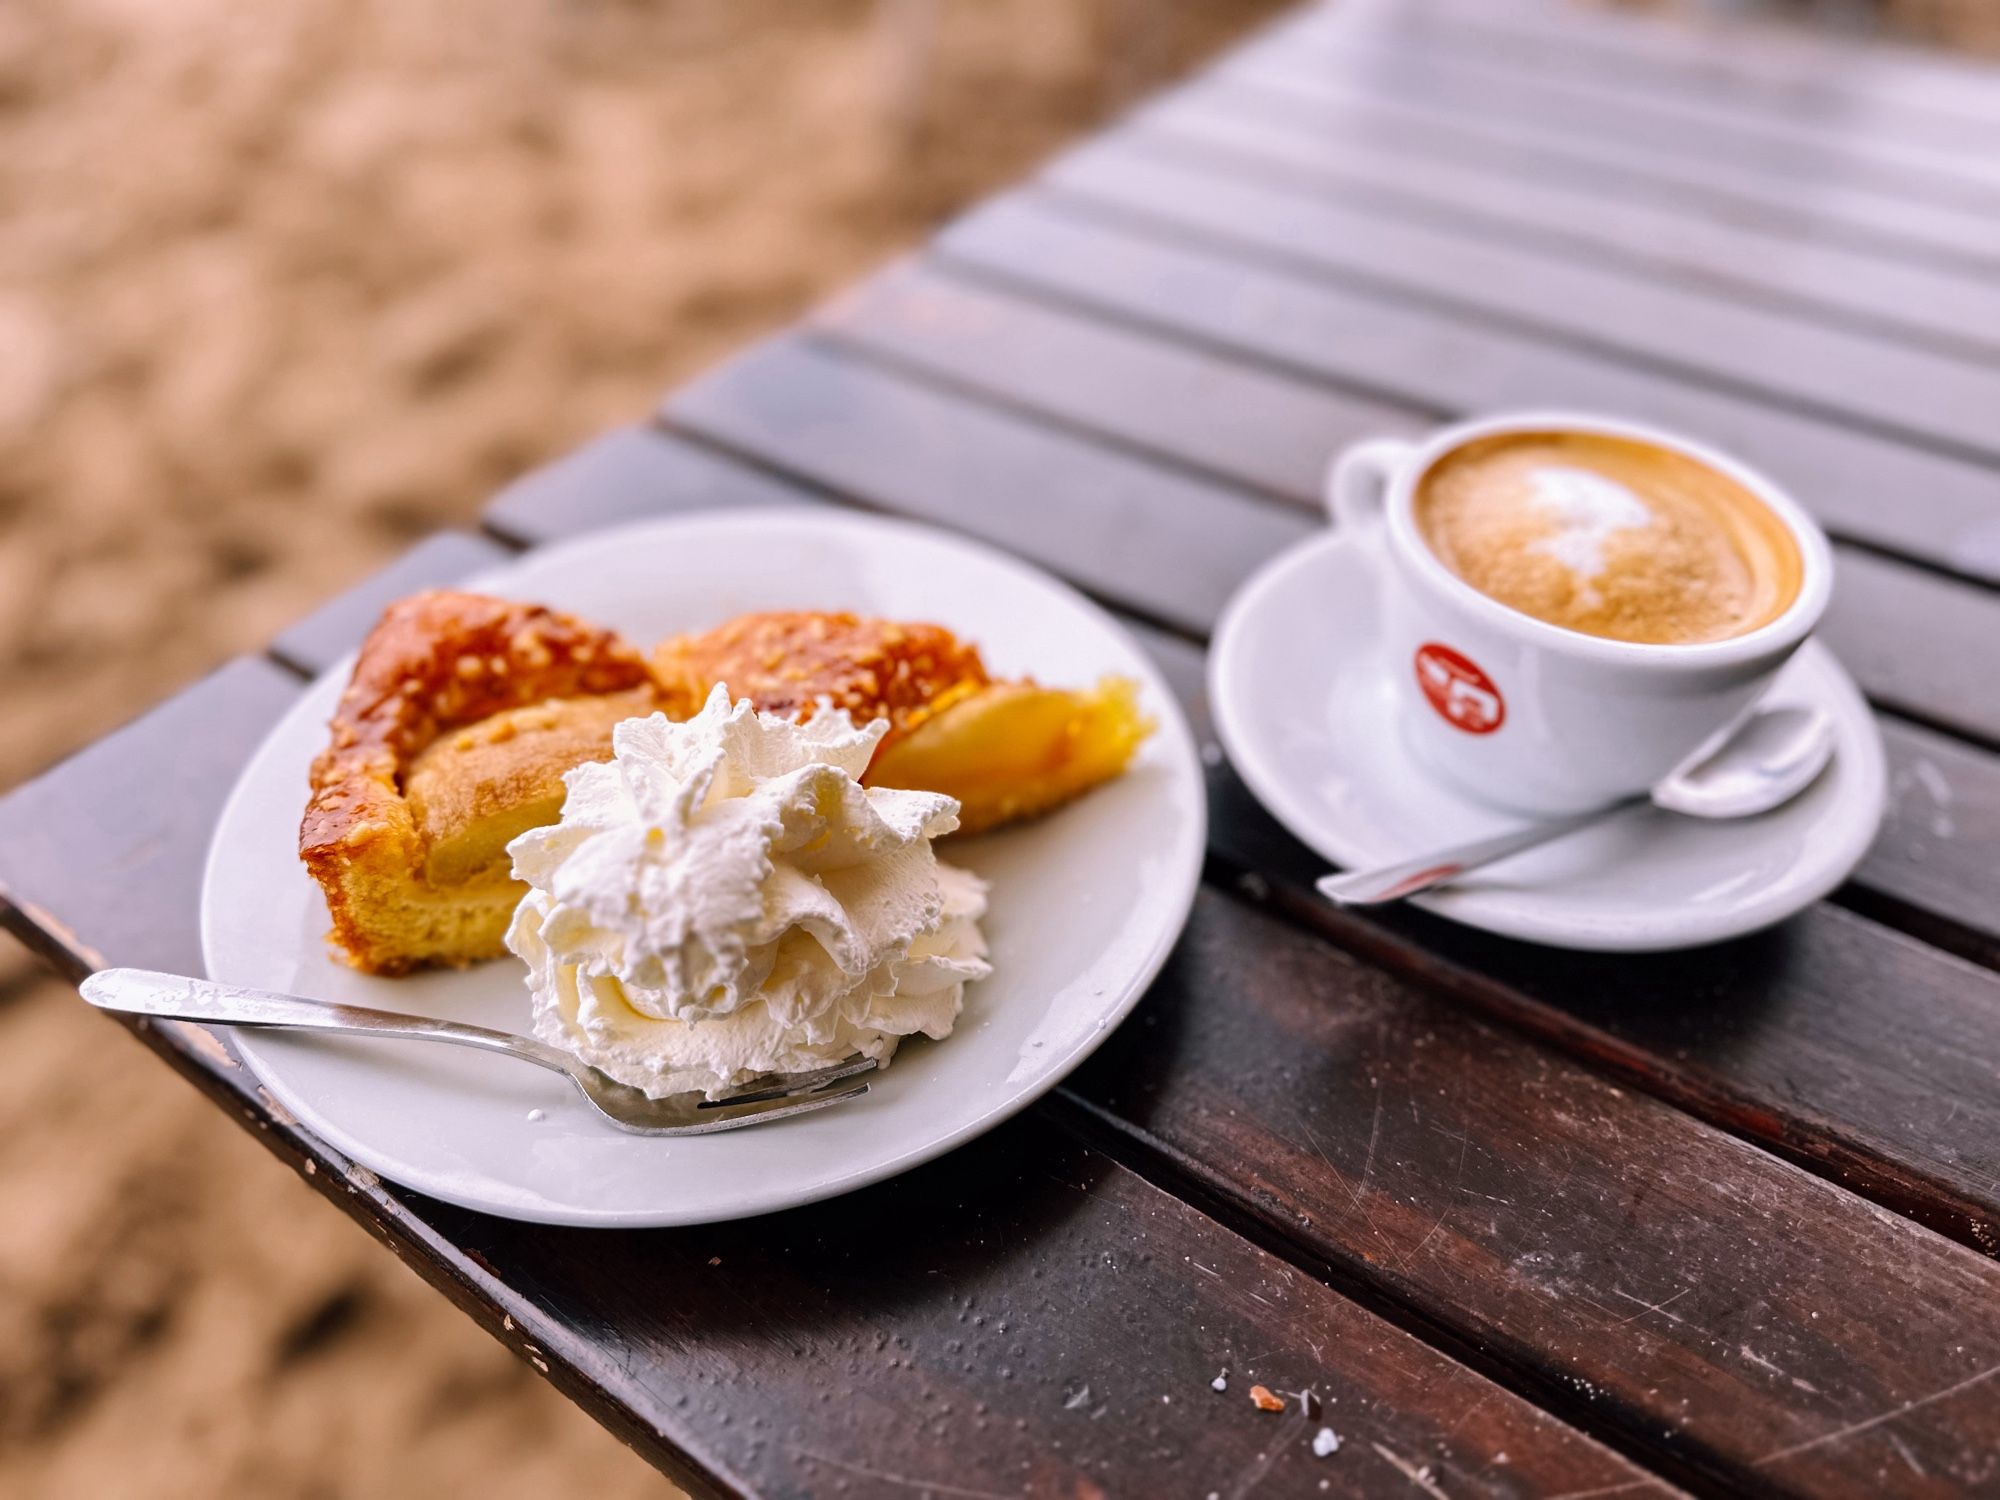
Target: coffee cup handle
(1357, 484)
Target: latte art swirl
(1609, 536)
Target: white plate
(1086, 904)
(1305, 709)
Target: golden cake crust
(789, 661)
(435, 662)
(1005, 750)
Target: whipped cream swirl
(723, 899)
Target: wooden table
(1528, 1222)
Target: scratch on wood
(1659, 1307)
(1420, 1477)
(1648, 1483)
(902, 1481)
(1840, 1434)
(1757, 1359)
(1374, 1133)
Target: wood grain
(1271, 435)
(102, 853)
(1718, 1309)
(1716, 188)
(1401, 351)
(1258, 429)
(1696, 333)
(631, 474)
(1415, 56)
(1025, 1317)
(1354, 156)
(1810, 74)
(1151, 538)
(1269, 91)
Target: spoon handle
(1440, 867)
(180, 998)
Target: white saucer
(1085, 904)
(1304, 708)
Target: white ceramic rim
(1774, 638)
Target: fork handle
(177, 997)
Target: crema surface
(1609, 536)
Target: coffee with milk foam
(1609, 536)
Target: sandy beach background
(282, 288)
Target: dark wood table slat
(1016, 1366)
(1720, 1309)
(1342, 42)
(1156, 540)
(1690, 331)
(1271, 434)
(1716, 187)
(1269, 93)
(1944, 509)
(1335, 151)
(1812, 75)
(1934, 856)
(1258, 429)
(337, 626)
(622, 476)
(97, 854)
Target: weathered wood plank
(1915, 640)
(337, 626)
(102, 853)
(1935, 856)
(1022, 1318)
(1811, 75)
(1324, 150)
(1145, 535)
(1923, 504)
(1835, 212)
(625, 475)
(1718, 1309)
(1783, 356)
(1271, 433)
(1414, 56)
(1251, 427)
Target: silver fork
(775, 1096)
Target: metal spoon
(1769, 759)
(773, 1097)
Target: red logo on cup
(1458, 690)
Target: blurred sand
(283, 287)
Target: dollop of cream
(724, 899)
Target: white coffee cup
(1531, 716)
